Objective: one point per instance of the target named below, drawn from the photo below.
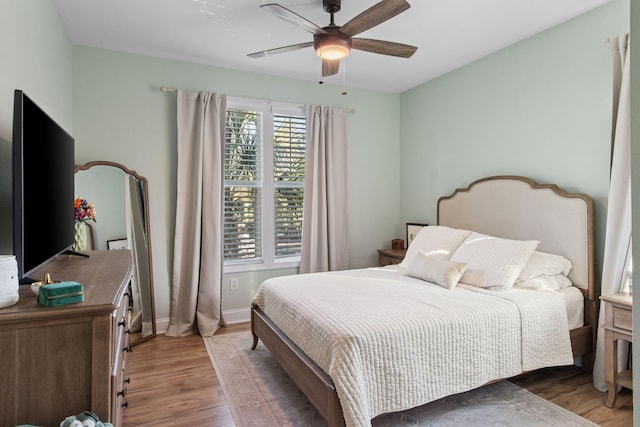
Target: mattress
(391, 342)
(574, 303)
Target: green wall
(104, 186)
(635, 189)
(121, 115)
(539, 108)
(35, 57)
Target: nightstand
(390, 256)
(617, 326)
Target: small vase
(8, 280)
(80, 236)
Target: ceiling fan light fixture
(332, 47)
(334, 42)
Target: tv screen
(43, 187)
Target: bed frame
(503, 206)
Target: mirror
(121, 200)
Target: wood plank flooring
(174, 384)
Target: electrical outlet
(233, 282)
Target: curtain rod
(172, 89)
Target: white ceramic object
(35, 288)
(8, 280)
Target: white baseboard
(240, 315)
(162, 325)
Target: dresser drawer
(121, 347)
(120, 383)
(120, 330)
(622, 318)
(387, 260)
(390, 256)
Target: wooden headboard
(518, 208)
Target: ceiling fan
(334, 42)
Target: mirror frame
(89, 165)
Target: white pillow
(435, 241)
(544, 264)
(492, 262)
(442, 272)
(556, 282)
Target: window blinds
(246, 192)
(243, 185)
(288, 167)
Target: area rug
(260, 393)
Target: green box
(61, 293)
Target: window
(263, 185)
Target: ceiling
(448, 34)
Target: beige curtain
(196, 294)
(617, 247)
(325, 240)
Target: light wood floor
(174, 384)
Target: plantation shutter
(264, 184)
(243, 186)
(288, 174)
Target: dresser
(60, 361)
(390, 256)
(617, 326)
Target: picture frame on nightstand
(116, 244)
(412, 230)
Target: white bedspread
(390, 342)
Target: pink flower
(84, 210)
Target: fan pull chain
(344, 78)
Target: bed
(359, 355)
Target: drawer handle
(125, 405)
(122, 392)
(122, 322)
(127, 349)
(128, 331)
(127, 381)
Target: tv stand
(74, 253)
(27, 281)
(61, 361)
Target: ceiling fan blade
(376, 14)
(277, 50)
(330, 67)
(383, 47)
(283, 13)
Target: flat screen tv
(43, 187)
